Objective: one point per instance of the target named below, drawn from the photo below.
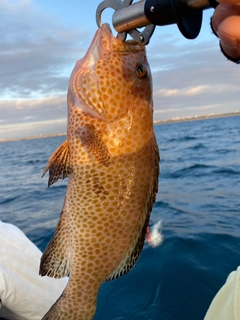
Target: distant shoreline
(39, 136)
(212, 116)
(156, 122)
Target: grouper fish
(112, 160)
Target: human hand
(226, 25)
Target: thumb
(229, 34)
(226, 25)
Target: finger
(229, 34)
(222, 12)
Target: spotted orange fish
(112, 160)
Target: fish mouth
(84, 73)
(100, 44)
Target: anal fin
(58, 164)
(55, 261)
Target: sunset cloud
(177, 92)
(40, 45)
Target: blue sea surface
(198, 203)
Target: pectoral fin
(94, 144)
(118, 129)
(55, 259)
(58, 164)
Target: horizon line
(155, 122)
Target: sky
(41, 40)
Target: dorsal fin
(58, 164)
(55, 261)
(94, 144)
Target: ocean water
(198, 205)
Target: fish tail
(61, 310)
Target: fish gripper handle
(187, 14)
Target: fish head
(112, 78)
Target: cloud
(192, 79)
(28, 117)
(39, 109)
(178, 92)
(37, 51)
(37, 55)
(32, 128)
(193, 108)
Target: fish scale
(113, 168)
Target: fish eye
(141, 71)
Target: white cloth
(24, 294)
(226, 303)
